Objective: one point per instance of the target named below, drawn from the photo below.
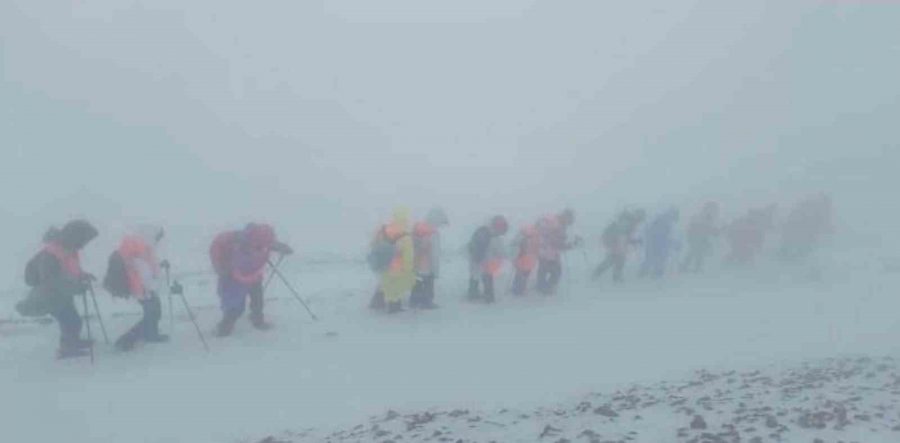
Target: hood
(400, 218)
(76, 234)
(259, 235)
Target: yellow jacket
(399, 279)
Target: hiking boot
(83, 343)
(377, 301)
(428, 305)
(126, 343)
(395, 307)
(225, 327)
(158, 338)
(260, 323)
(67, 353)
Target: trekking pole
(176, 288)
(87, 324)
(97, 312)
(272, 275)
(293, 291)
(167, 266)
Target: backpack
(32, 272)
(220, 252)
(116, 280)
(383, 251)
(479, 244)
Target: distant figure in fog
(486, 255)
(617, 239)
(134, 272)
(701, 232)
(659, 243)
(239, 259)
(747, 235)
(56, 277)
(806, 226)
(427, 246)
(392, 258)
(554, 241)
(526, 249)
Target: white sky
(322, 115)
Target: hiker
(391, 257)
(701, 232)
(526, 246)
(134, 272)
(427, 252)
(239, 259)
(747, 235)
(809, 221)
(56, 277)
(659, 244)
(553, 241)
(617, 238)
(486, 258)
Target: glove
(282, 249)
(165, 264)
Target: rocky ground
(836, 400)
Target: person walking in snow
(486, 257)
(239, 259)
(659, 243)
(134, 272)
(56, 277)
(617, 239)
(392, 257)
(527, 248)
(701, 232)
(808, 223)
(427, 252)
(747, 235)
(553, 242)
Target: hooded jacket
(427, 243)
(399, 279)
(138, 253)
(527, 244)
(55, 271)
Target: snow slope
(519, 354)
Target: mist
(321, 117)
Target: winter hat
(76, 234)
(260, 235)
(401, 216)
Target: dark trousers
(488, 281)
(148, 327)
(614, 261)
(520, 282)
(423, 292)
(548, 275)
(69, 322)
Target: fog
(320, 117)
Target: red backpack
(220, 252)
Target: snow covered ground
(531, 356)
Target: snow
(520, 353)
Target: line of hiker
(406, 257)
(408, 262)
(56, 277)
